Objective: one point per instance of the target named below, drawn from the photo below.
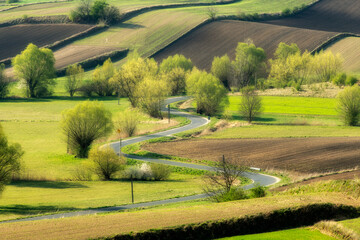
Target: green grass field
(294, 234)
(23, 198)
(353, 224)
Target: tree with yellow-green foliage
(74, 75)
(209, 93)
(35, 67)
(101, 83)
(349, 105)
(10, 156)
(85, 123)
(221, 68)
(151, 94)
(326, 65)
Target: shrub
(349, 105)
(128, 122)
(160, 171)
(339, 79)
(258, 191)
(286, 12)
(232, 195)
(86, 89)
(4, 82)
(351, 80)
(82, 172)
(106, 162)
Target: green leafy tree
(128, 122)
(349, 105)
(10, 156)
(221, 68)
(85, 123)
(36, 68)
(4, 82)
(284, 50)
(250, 105)
(176, 80)
(248, 62)
(74, 76)
(106, 162)
(176, 61)
(131, 74)
(101, 79)
(207, 90)
(150, 96)
(325, 65)
(97, 10)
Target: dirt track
(14, 39)
(327, 15)
(304, 155)
(222, 37)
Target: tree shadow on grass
(130, 25)
(21, 209)
(47, 184)
(257, 119)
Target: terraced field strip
(327, 15)
(14, 39)
(349, 48)
(86, 227)
(221, 37)
(305, 155)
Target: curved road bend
(196, 121)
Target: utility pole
(132, 190)
(119, 132)
(169, 112)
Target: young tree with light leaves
(74, 76)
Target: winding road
(196, 121)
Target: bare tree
(224, 178)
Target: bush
(128, 122)
(87, 89)
(232, 195)
(147, 172)
(351, 80)
(258, 191)
(106, 162)
(82, 173)
(160, 171)
(11, 1)
(4, 82)
(349, 105)
(339, 79)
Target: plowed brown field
(327, 15)
(221, 37)
(14, 39)
(304, 155)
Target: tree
(101, 79)
(82, 13)
(349, 105)
(74, 75)
(150, 96)
(106, 162)
(221, 68)
(209, 93)
(132, 73)
(4, 82)
(283, 51)
(85, 123)
(248, 62)
(10, 156)
(176, 80)
(36, 68)
(250, 105)
(222, 181)
(176, 61)
(325, 65)
(128, 121)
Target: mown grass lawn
(294, 234)
(23, 198)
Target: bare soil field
(221, 37)
(14, 39)
(327, 15)
(77, 53)
(303, 155)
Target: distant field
(110, 224)
(327, 15)
(294, 234)
(349, 48)
(221, 37)
(14, 39)
(24, 198)
(305, 155)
